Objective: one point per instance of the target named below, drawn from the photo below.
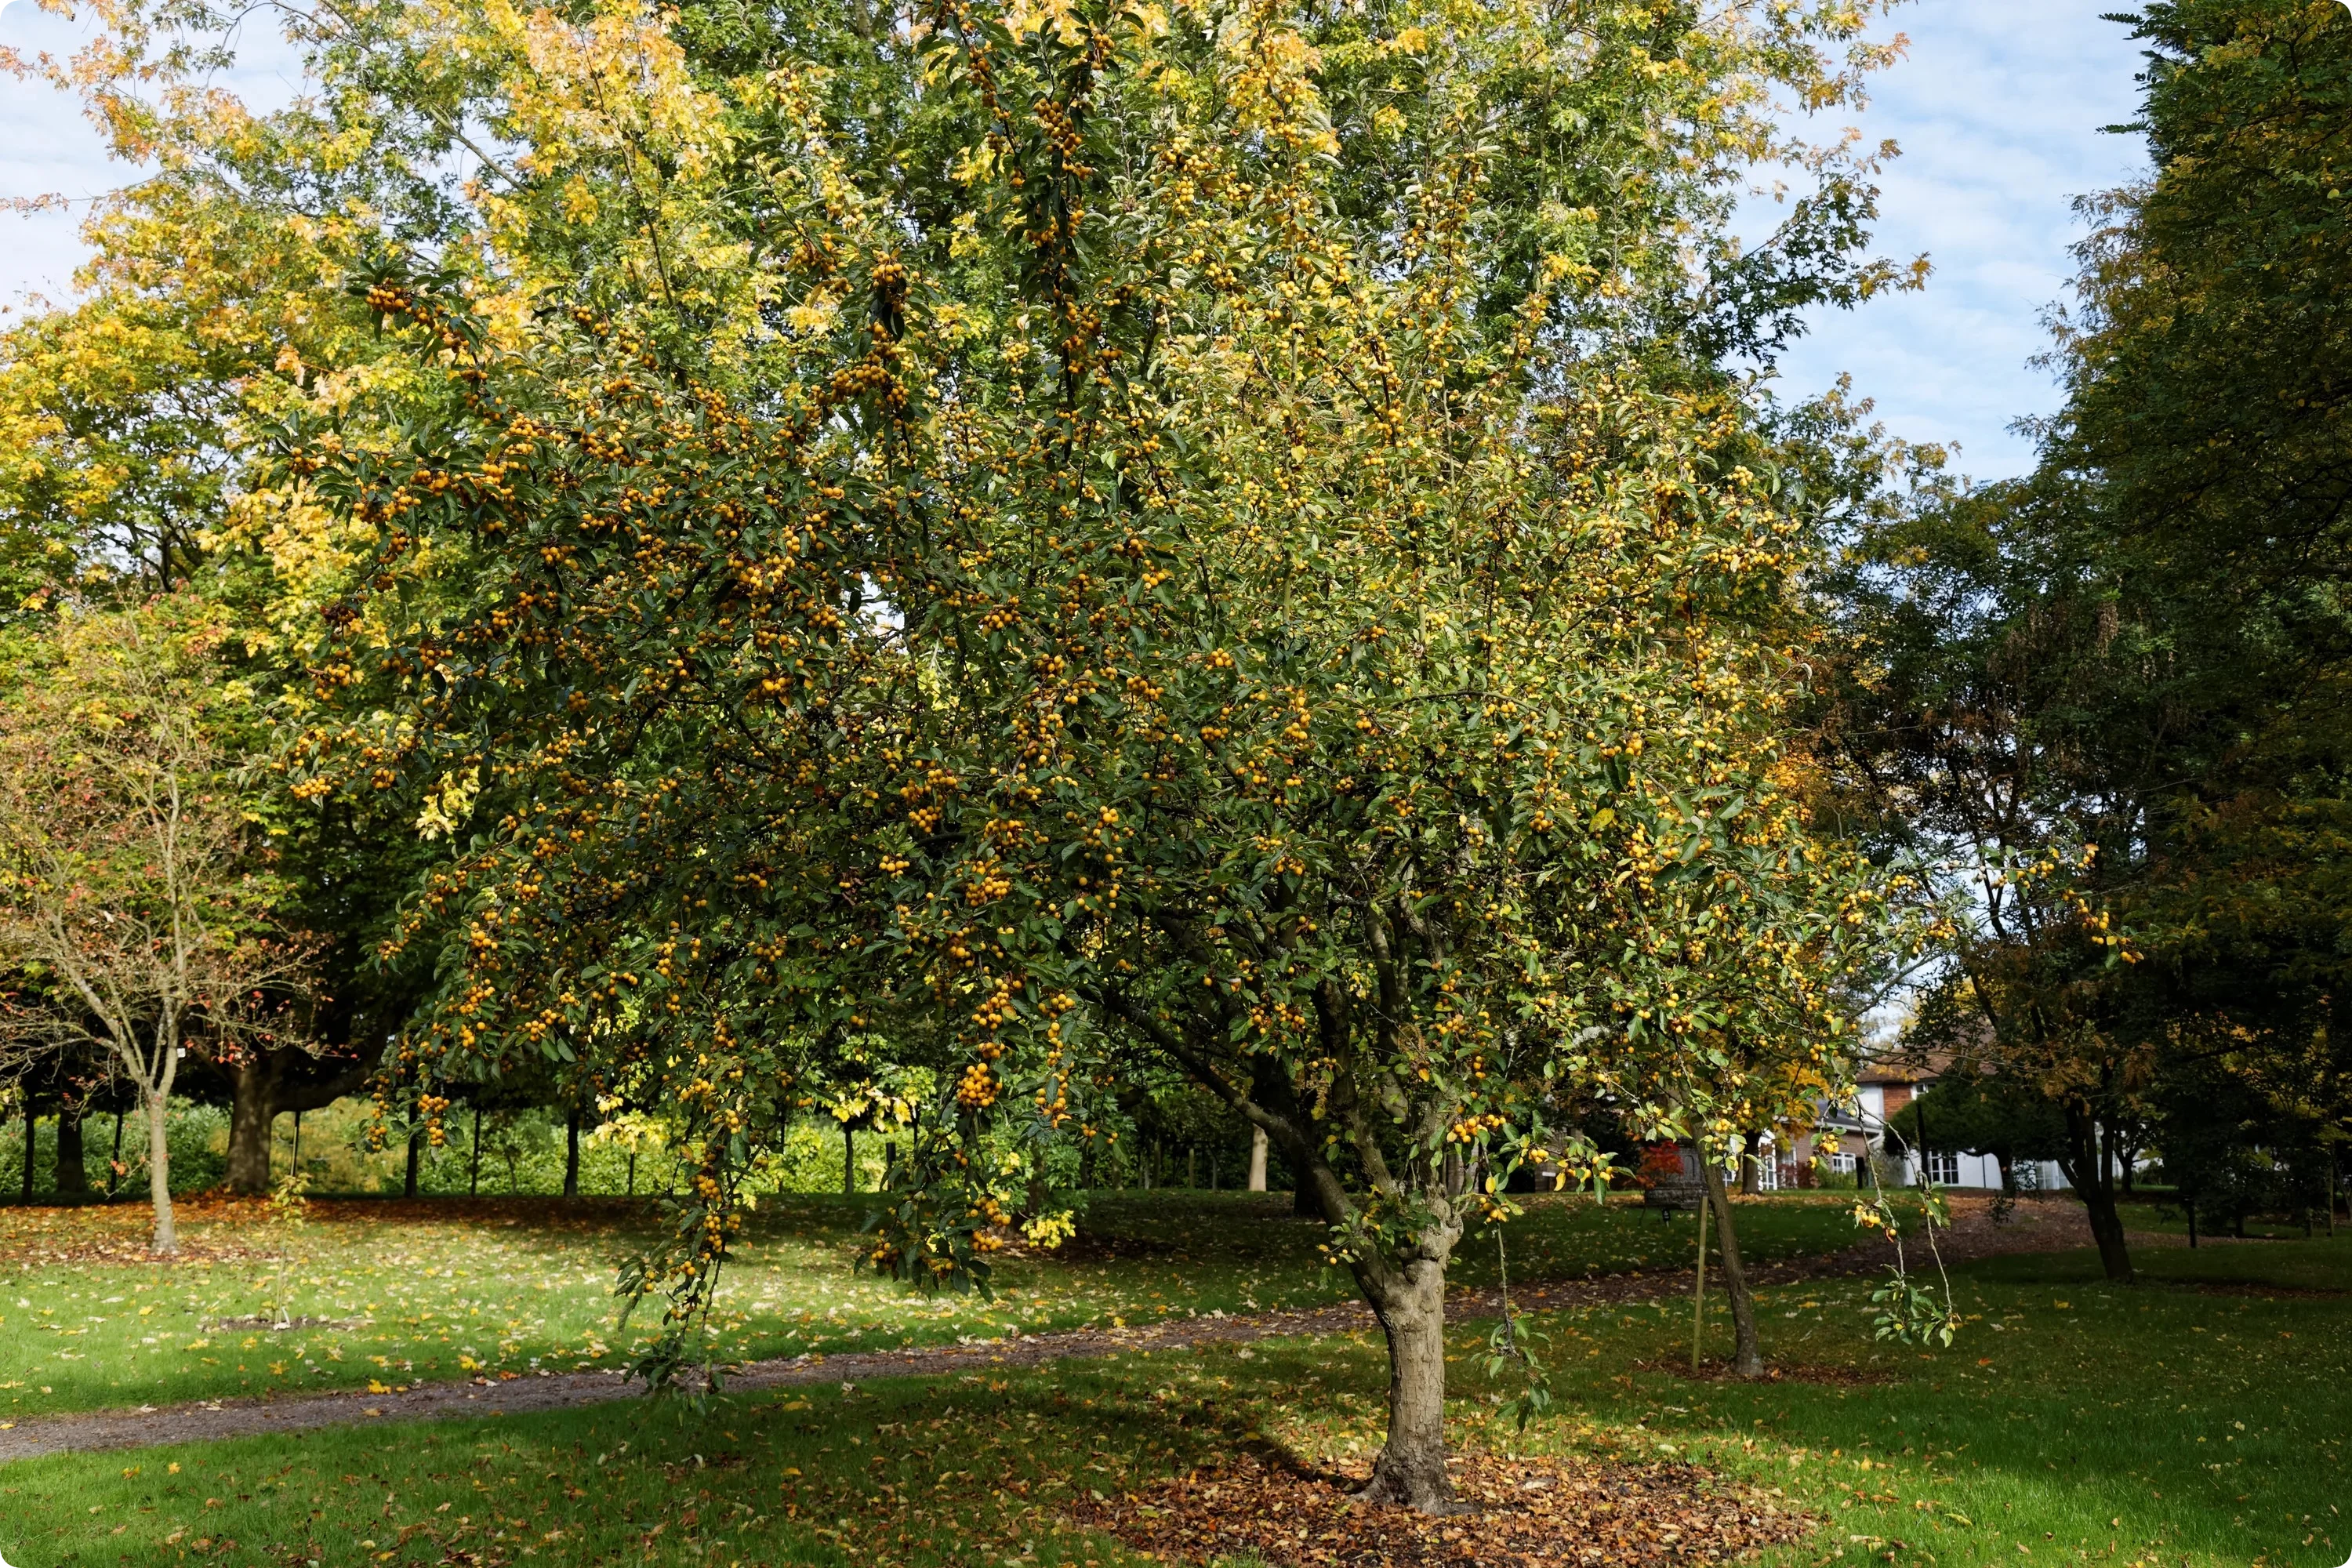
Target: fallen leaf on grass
(1519, 1513)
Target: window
(1943, 1167)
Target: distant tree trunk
(848, 1160)
(32, 1125)
(633, 1173)
(571, 1155)
(1747, 1358)
(2008, 1174)
(2086, 1168)
(72, 1176)
(114, 1164)
(1192, 1165)
(416, 1159)
(2192, 1224)
(251, 1119)
(263, 1088)
(1257, 1159)
(1926, 1178)
(474, 1178)
(165, 1242)
(1752, 1166)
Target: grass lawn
(397, 1293)
(2196, 1419)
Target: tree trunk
(265, 1087)
(1257, 1159)
(114, 1164)
(1410, 1306)
(2008, 1174)
(166, 1242)
(73, 1176)
(32, 1126)
(416, 1159)
(474, 1178)
(251, 1117)
(1746, 1359)
(2089, 1174)
(571, 1155)
(1751, 1168)
(848, 1161)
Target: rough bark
(166, 1240)
(1409, 1302)
(114, 1166)
(250, 1118)
(1747, 1357)
(1752, 1166)
(2087, 1169)
(265, 1087)
(73, 1175)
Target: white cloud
(49, 148)
(1997, 109)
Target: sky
(1997, 108)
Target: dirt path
(2035, 1229)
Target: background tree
(131, 883)
(1978, 1112)
(2107, 699)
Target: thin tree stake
(1699, 1297)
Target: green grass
(448, 1288)
(2158, 1211)
(2073, 1422)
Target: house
(1887, 1086)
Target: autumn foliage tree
(132, 898)
(1212, 546)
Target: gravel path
(2036, 1227)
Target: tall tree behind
(2111, 699)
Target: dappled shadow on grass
(2317, 1269)
(1713, 1370)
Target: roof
(1902, 1067)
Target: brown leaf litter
(1516, 1513)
